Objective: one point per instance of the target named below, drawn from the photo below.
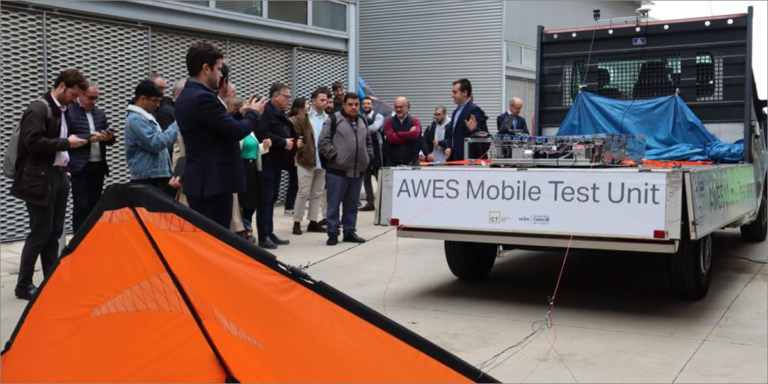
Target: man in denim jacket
(145, 142)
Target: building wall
(523, 17)
(417, 49)
(117, 54)
(521, 22)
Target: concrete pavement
(615, 320)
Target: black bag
(334, 123)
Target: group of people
(224, 155)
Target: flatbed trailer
(476, 209)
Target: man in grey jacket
(347, 150)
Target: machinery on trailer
(597, 191)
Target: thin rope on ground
(312, 264)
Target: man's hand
(108, 135)
(175, 182)
(288, 144)
(267, 143)
(257, 106)
(431, 158)
(471, 123)
(435, 143)
(76, 142)
(413, 128)
(95, 138)
(448, 152)
(300, 143)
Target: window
(253, 8)
(290, 11)
(200, 3)
(514, 54)
(326, 14)
(529, 57)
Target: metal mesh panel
(22, 69)
(169, 50)
(709, 77)
(637, 77)
(573, 73)
(117, 68)
(524, 89)
(315, 68)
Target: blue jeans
(346, 191)
(269, 184)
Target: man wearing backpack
(41, 178)
(346, 150)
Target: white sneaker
(288, 212)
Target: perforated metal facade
(316, 68)
(22, 48)
(117, 55)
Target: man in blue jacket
(88, 164)
(214, 169)
(146, 144)
(467, 119)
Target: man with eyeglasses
(511, 120)
(435, 141)
(88, 164)
(274, 125)
(403, 134)
(146, 144)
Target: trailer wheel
(691, 268)
(470, 261)
(758, 229)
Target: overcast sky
(667, 10)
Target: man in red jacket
(403, 133)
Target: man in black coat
(275, 126)
(467, 120)
(214, 169)
(88, 164)
(41, 178)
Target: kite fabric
(671, 129)
(151, 291)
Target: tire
(470, 261)
(690, 269)
(758, 229)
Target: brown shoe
(296, 228)
(314, 226)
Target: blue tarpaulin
(672, 130)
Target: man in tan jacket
(311, 174)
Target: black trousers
(159, 183)
(293, 188)
(46, 224)
(368, 184)
(86, 191)
(269, 183)
(217, 208)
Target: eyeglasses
(155, 100)
(288, 96)
(93, 98)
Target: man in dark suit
(467, 119)
(214, 169)
(88, 164)
(511, 120)
(275, 126)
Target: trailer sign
(580, 203)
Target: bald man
(403, 133)
(511, 119)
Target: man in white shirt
(310, 173)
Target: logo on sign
(494, 217)
(540, 219)
(638, 41)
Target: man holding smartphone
(88, 164)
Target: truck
(480, 208)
